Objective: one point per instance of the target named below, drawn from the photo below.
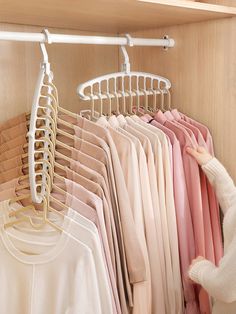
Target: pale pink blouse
(184, 219)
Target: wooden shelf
(110, 16)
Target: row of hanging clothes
(103, 211)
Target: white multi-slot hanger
(123, 84)
(45, 72)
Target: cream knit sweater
(220, 282)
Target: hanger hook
(168, 98)
(126, 64)
(44, 50)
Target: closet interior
(201, 84)
(195, 75)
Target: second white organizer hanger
(123, 83)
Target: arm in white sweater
(222, 182)
(219, 282)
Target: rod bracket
(166, 47)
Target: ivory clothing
(129, 162)
(80, 232)
(159, 165)
(134, 257)
(27, 274)
(171, 213)
(162, 234)
(158, 303)
(101, 207)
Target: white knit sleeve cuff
(214, 168)
(196, 272)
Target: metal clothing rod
(80, 39)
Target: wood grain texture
(231, 3)
(109, 15)
(202, 69)
(71, 65)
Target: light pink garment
(192, 177)
(13, 132)
(192, 181)
(7, 189)
(95, 140)
(11, 163)
(11, 174)
(9, 154)
(184, 219)
(92, 176)
(7, 194)
(205, 305)
(203, 129)
(9, 184)
(13, 122)
(95, 152)
(86, 160)
(209, 243)
(20, 140)
(214, 206)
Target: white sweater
(220, 282)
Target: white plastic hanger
(85, 90)
(45, 73)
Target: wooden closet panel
(220, 2)
(202, 69)
(71, 65)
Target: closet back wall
(71, 65)
(202, 69)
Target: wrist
(196, 270)
(206, 160)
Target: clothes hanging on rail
(134, 221)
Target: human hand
(200, 154)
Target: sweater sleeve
(220, 281)
(222, 182)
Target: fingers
(192, 152)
